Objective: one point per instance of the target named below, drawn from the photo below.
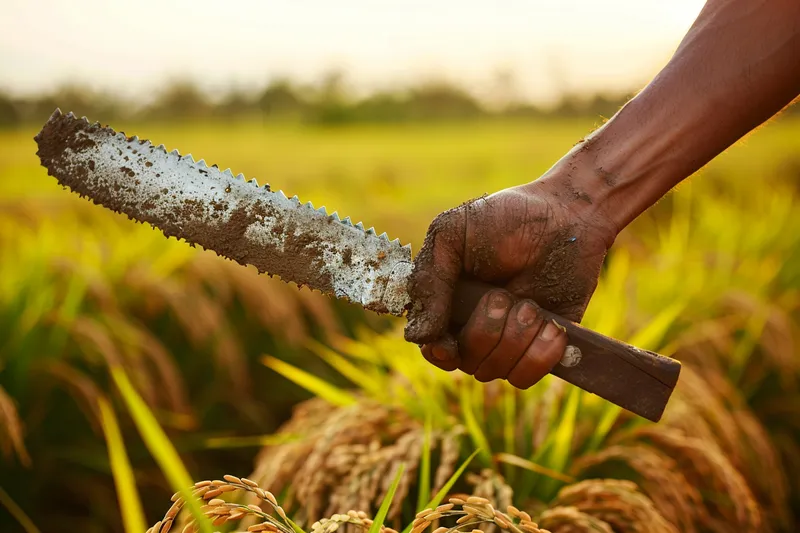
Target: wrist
(618, 171)
(576, 192)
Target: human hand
(542, 243)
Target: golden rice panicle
(709, 407)
(492, 486)
(339, 463)
(571, 520)
(706, 467)
(220, 511)
(276, 465)
(658, 477)
(752, 453)
(616, 502)
(355, 520)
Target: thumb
(437, 267)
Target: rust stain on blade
(237, 219)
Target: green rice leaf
(437, 499)
(349, 370)
(476, 433)
(610, 414)
(562, 441)
(297, 529)
(383, 510)
(450, 482)
(515, 460)
(311, 383)
(159, 445)
(130, 505)
(652, 335)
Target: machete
(282, 236)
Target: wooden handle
(637, 380)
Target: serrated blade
(235, 218)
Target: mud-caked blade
(222, 212)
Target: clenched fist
(540, 248)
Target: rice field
(132, 366)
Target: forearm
(738, 65)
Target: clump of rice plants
(711, 464)
(597, 505)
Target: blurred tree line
(328, 102)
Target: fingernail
(498, 305)
(440, 354)
(549, 332)
(527, 314)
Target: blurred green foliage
(712, 272)
(329, 102)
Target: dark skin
(543, 243)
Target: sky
(134, 47)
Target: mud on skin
(531, 246)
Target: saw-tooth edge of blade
(390, 295)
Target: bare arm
(738, 65)
(544, 242)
